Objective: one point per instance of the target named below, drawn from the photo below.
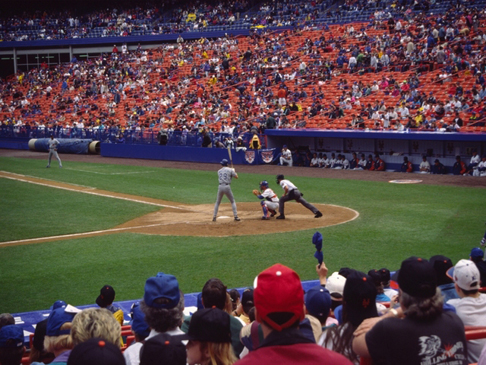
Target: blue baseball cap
(139, 326)
(318, 301)
(58, 304)
(477, 253)
(55, 321)
(162, 286)
(14, 333)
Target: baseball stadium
(365, 119)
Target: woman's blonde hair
(219, 353)
(59, 343)
(95, 322)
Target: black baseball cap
(210, 325)
(359, 296)
(163, 349)
(417, 277)
(96, 351)
(106, 297)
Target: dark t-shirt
(482, 271)
(409, 342)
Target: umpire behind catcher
(291, 192)
(225, 174)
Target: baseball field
(66, 232)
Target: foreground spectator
(163, 306)
(359, 303)
(96, 351)
(141, 330)
(209, 337)
(6, 319)
(476, 256)
(95, 323)
(105, 300)
(11, 345)
(214, 296)
(426, 334)
(37, 351)
(441, 265)
(279, 303)
(58, 339)
(471, 306)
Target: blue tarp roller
(67, 145)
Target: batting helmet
(280, 177)
(224, 162)
(263, 184)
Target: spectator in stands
(279, 303)
(11, 345)
(163, 306)
(471, 304)
(425, 333)
(96, 351)
(477, 256)
(214, 296)
(377, 277)
(459, 167)
(6, 319)
(359, 303)
(406, 165)
(106, 328)
(141, 330)
(38, 354)
(105, 300)
(441, 264)
(424, 166)
(209, 337)
(438, 168)
(246, 305)
(58, 339)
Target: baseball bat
(230, 156)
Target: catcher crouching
(269, 200)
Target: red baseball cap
(278, 289)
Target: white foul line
(42, 178)
(111, 173)
(73, 235)
(91, 192)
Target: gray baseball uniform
(225, 175)
(53, 143)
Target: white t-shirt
(472, 312)
(132, 354)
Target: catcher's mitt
(256, 192)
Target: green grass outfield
(395, 221)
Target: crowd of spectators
(428, 305)
(377, 76)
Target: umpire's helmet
(224, 162)
(263, 184)
(279, 178)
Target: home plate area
(197, 220)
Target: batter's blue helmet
(224, 162)
(263, 184)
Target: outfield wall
(393, 146)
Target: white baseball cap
(335, 284)
(465, 274)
